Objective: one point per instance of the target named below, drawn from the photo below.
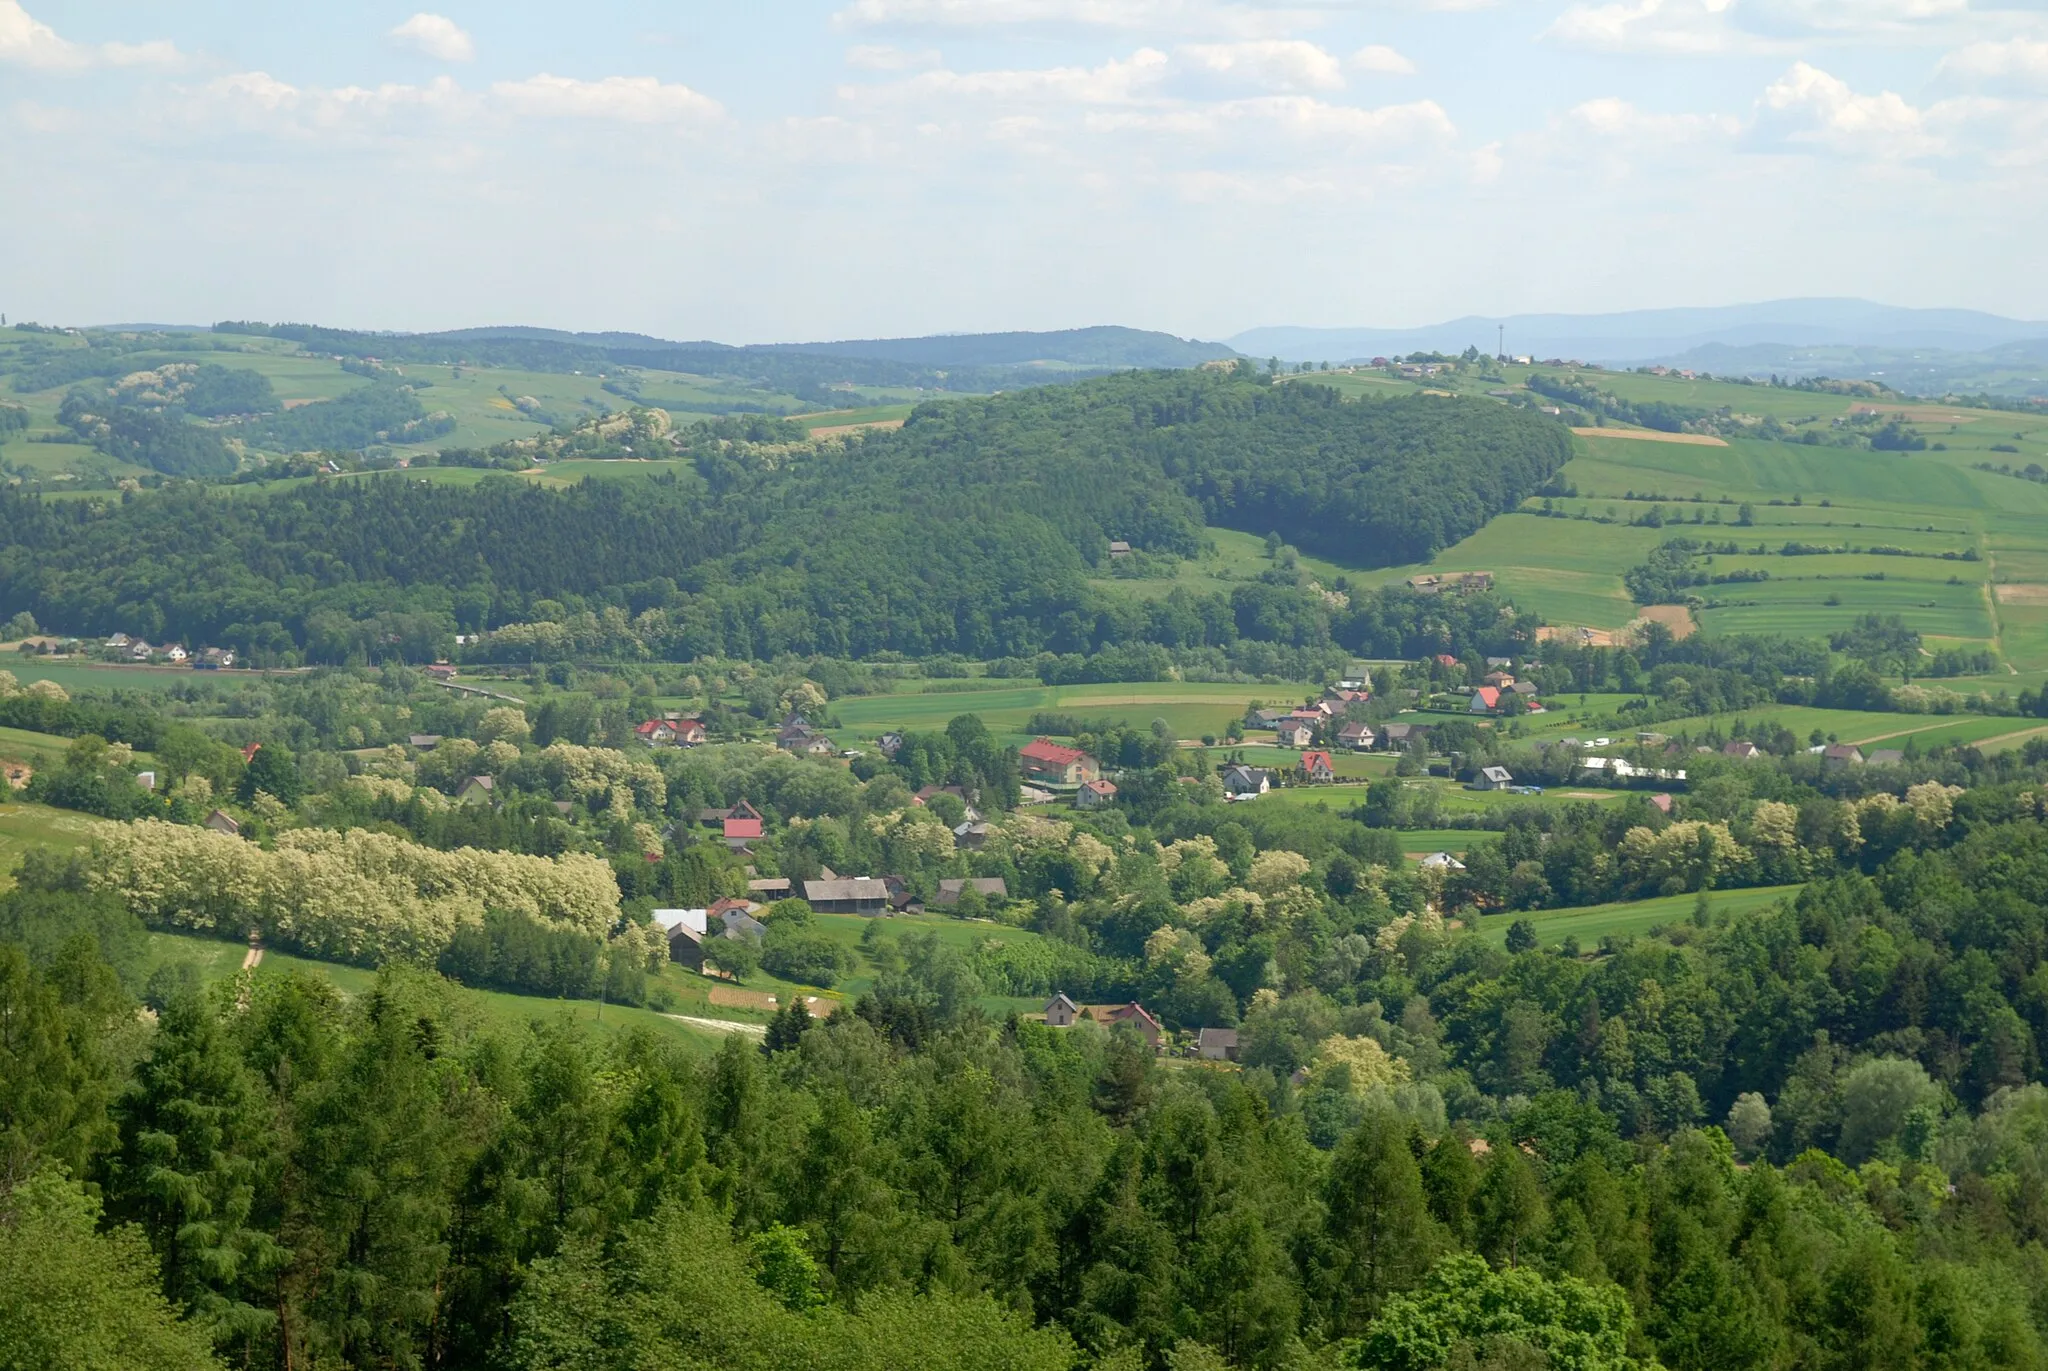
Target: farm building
(848, 895)
(1493, 778)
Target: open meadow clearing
(1590, 923)
(1191, 709)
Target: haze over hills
(1638, 336)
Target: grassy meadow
(1590, 923)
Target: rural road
(721, 1025)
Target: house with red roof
(1054, 763)
(739, 831)
(1485, 700)
(689, 732)
(1318, 767)
(656, 733)
(1095, 795)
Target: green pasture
(1591, 923)
(1864, 729)
(1191, 709)
(1228, 558)
(866, 414)
(216, 960)
(108, 676)
(24, 826)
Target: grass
(1191, 709)
(1590, 923)
(216, 960)
(24, 826)
(107, 676)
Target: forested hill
(974, 529)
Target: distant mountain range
(1103, 346)
(1657, 335)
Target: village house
(423, 742)
(740, 829)
(1095, 795)
(1216, 1044)
(798, 736)
(1295, 733)
(1056, 764)
(1742, 749)
(1358, 737)
(890, 744)
(1133, 1013)
(1397, 737)
(441, 671)
(477, 790)
(176, 653)
(1119, 548)
(1243, 782)
(1498, 679)
(1060, 1012)
(220, 821)
(1317, 768)
(1441, 861)
(971, 835)
(1493, 778)
(1485, 700)
(214, 659)
(769, 887)
(656, 733)
(1839, 755)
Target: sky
(780, 170)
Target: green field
(1964, 534)
(1192, 709)
(24, 826)
(1590, 923)
(1228, 558)
(218, 960)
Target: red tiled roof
(1046, 750)
(1488, 696)
(1309, 759)
(742, 828)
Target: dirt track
(1651, 435)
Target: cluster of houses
(1452, 582)
(1208, 1044)
(689, 930)
(122, 648)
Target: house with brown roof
(1741, 749)
(1054, 763)
(1295, 733)
(1133, 1013)
(477, 790)
(988, 887)
(1837, 755)
(1357, 736)
(1095, 795)
(220, 821)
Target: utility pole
(1501, 350)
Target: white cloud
(1666, 26)
(1381, 60)
(1762, 26)
(1153, 16)
(630, 99)
(437, 36)
(1278, 64)
(27, 41)
(1808, 108)
(2019, 64)
(1113, 82)
(881, 57)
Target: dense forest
(990, 515)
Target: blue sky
(785, 169)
